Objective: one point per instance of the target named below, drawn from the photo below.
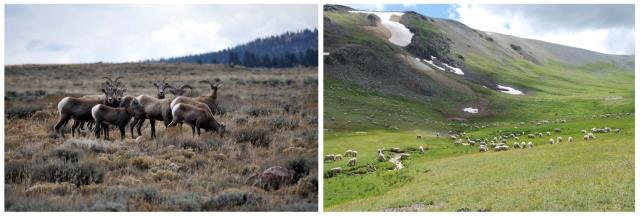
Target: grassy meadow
(270, 114)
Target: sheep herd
(497, 143)
(115, 107)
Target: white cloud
(367, 7)
(578, 29)
(116, 33)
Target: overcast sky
(602, 28)
(117, 33)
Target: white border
(320, 4)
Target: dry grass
(271, 116)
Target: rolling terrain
(454, 80)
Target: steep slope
(449, 68)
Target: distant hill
(285, 50)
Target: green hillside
(376, 95)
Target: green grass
(581, 176)
(594, 176)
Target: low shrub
(82, 173)
(256, 136)
(23, 110)
(283, 122)
(183, 202)
(236, 200)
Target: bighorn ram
(79, 109)
(119, 117)
(196, 118)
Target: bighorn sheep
(79, 109)
(196, 118)
(161, 86)
(153, 109)
(180, 90)
(210, 100)
(119, 117)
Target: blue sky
(118, 33)
(602, 28)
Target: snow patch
(471, 110)
(454, 70)
(430, 62)
(400, 34)
(509, 90)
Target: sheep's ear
(155, 84)
(104, 91)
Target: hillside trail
(396, 160)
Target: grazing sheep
(530, 144)
(209, 100)
(336, 170)
(457, 142)
(607, 130)
(523, 144)
(329, 157)
(531, 136)
(352, 162)
(583, 131)
(557, 130)
(570, 139)
(438, 134)
(483, 148)
(472, 142)
(540, 134)
(453, 137)
(396, 150)
(381, 157)
(616, 130)
(421, 150)
(551, 141)
(591, 136)
(493, 144)
(197, 118)
(404, 156)
(349, 153)
(559, 140)
(338, 157)
(586, 137)
(548, 133)
(517, 138)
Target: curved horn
(167, 85)
(164, 80)
(109, 81)
(185, 86)
(118, 78)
